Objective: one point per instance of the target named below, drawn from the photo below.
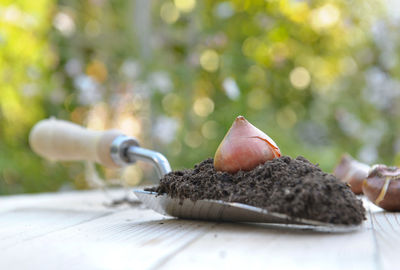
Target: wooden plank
(25, 224)
(131, 239)
(78, 200)
(77, 230)
(387, 235)
(261, 247)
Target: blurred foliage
(319, 77)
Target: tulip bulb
(244, 147)
(382, 187)
(352, 172)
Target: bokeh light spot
(97, 70)
(209, 60)
(165, 129)
(169, 13)
(231, 88)
(12, 14)
(324, 17)
(300, 77)
(203, 106)
(224, 10)
(97, 116)
(185, 5)
(129, 125)
(64, 23)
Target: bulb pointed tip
(240, 118)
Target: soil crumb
(295, 187)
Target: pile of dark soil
(294, 187)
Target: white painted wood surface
(76, 230)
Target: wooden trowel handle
(65, 141)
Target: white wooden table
(75, 230)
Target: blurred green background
(319, 77)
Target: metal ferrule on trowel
(60, 140)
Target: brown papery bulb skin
(352, 172)
(244, 147)
(382, 187)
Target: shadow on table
(236, 227)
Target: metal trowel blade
(215, 210)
